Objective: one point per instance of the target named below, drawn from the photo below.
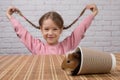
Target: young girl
(51, 25)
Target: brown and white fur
(71, 63)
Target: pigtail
(37, 27)
(75, 19)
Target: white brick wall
(104, 33)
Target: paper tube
(93, 61)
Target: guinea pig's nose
(63, 68)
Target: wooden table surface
(34, 67)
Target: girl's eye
(55, 29)
(46, 29)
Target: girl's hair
(54, 16)
(57, 19)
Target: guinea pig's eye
(68, 61)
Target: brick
(111, 28)
(103, 34)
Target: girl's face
(50, 31)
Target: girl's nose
(50, 32)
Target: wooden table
(34, 67)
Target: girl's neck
(52, 44)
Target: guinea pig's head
(71, 62)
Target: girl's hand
(10, 11)
(93, 8)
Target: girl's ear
(61, 30)
(40, 27)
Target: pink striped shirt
(36, 46)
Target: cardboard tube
(93, 61)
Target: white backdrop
(103, 34)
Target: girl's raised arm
(72, 41)
(29, 41)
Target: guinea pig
(72, 62)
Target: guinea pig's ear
(75, 55)
(77, 50)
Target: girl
(51, 25)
